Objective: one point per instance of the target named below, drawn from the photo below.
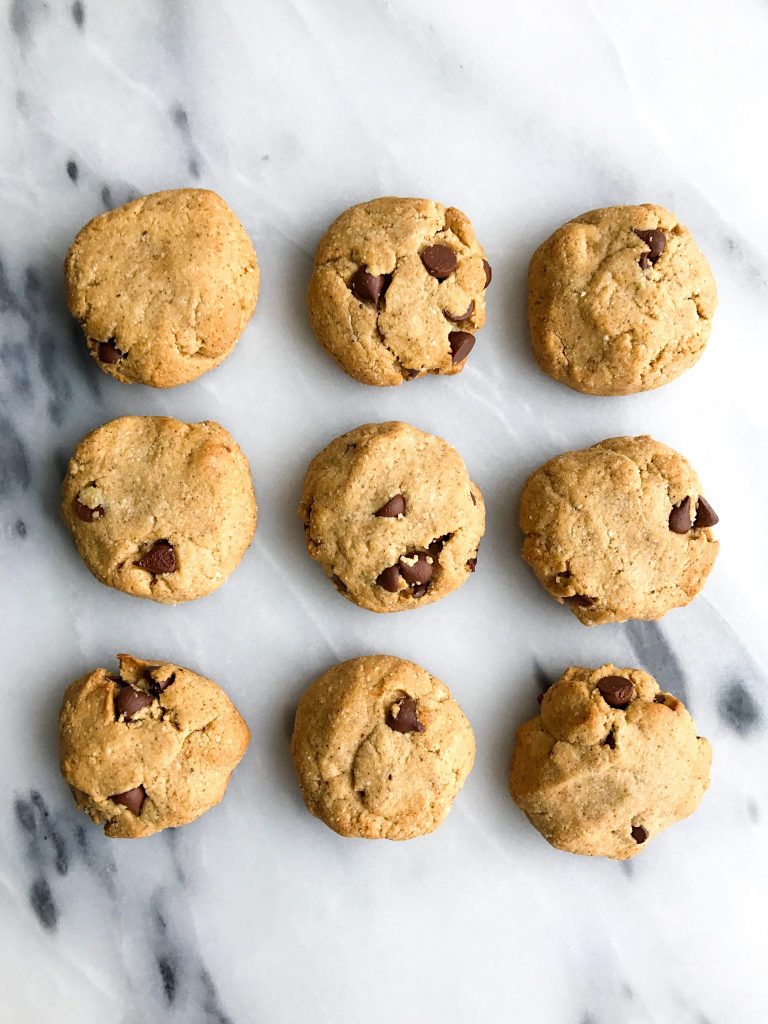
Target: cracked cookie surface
(380, 749)
(618, 531)
(609, 762)
(398, 290)
(152, 748)
(163, 286)
(391, 515)
(159, 508)
(620, 300)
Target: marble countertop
(523, 115)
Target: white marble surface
(522, 114)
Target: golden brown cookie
(619, 300)
(618, 531)
(609, 763)
(380, 749)
(152, 748)
(398, 290)
(392, 517)
(159, 508)
(163, 286)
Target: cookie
(619, 300)
(159, 508)
(618, 531)
(380, 749)
(152, 748)
(163, 286)
(398, 290)
(609, 762)
(392, 517)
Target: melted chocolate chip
(129, 701)
(488, 272)
(132, 799)
(616, 691)
(161, 558)
(419, 572)
(705, 515)
(109, 352)
(158, 685)
(439, 261)
(639, 834)
(369, 287)
(472, 564)
(656, 241)
(680, 517)
(88, 515)
(390, 579)
(474, 499)
(660, 698)
(462, 316)
(461, 344)
(393, 508)
(438, 544)
(582, 600)
(402, 716)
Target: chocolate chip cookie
(159, 508)
(163, 286)
(619, 300)
(398, 290)
(609, 762)
(618, 531)
(380, 749)
(151, 748)
(392, 517)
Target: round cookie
(609, 763)
(392, 517)
(163, 286)
(151, 749)
(397, 290)
(619, 300)
(380, 749)
(159, 508)
(618, 531)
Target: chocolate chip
(474, 499)
(616, 691)
(639, 834)
(660, 698)
(610, 740)
(419, 590)
(472, 564)
(438, 544)
(582, 600)
(461, 344)
(488, 272)
(131, 798)
(439, 261)
(409, 374)
(109, 352)
(705, 515)
(369, 287)
(656, 241)
(393, 508)
(390, 579)
(461, 316)
(161, 558)
(158, 685)
(129, 701)
(88, 515)
(402, 716)
(339, 583)
(418, 572)
(680, 517)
